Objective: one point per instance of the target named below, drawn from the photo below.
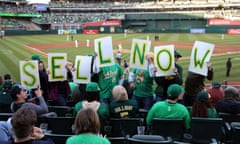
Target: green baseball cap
(92, 87)
(174, 90)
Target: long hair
(87, 121)
(200, 109)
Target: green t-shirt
(168, 110)
(87, 139)
(103, 110)
(128, 108)
(109, 77)
(143, 83)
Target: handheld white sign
(29, 74)
(56, 65)
(139, 50)
(82, 73)
(103, 48)
(201, 54)
(164, 60)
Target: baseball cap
(36, 57)
(177, 54)
(92, 87)
(203, 96)
(216, 84)
(16, 89)
(174, 90)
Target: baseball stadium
(31, 27)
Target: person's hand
(37, 133)
(95, 54)
(209, 66)
(175, 70)
(38, 92)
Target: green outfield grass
(12, 50)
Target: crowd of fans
(109, 95)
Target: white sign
(201, 54)
(139, 51)
(82, 72)
(29, 74)
(103, 48)
(56, 65)
(164, 60)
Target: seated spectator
(231, 101)
(5, 96)
(170, 109)
(87, 127)
(25, 132)
(91, 100)
(121, 107)
(216, 92)
(202, 106)
(19, 95)
(6, 134)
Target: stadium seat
(173, 128)
(204, 130)
(5, 116)
(229, 117)
(60, 125)
(58, 138)
(148, 139)
(62, 111)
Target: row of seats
(119, 129)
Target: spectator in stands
(19, 95)
(91, 100)
(43, 76)
(121, 107)
(215, 92)
(5, 96)
(25, 132)
(202, 107)
(108, 77)
(6, 134)
(87, 127)
(8, 77)
(195, 83)
(164, 82)
(169, 108)
(142, 83)
(59, 91)
(231, 101)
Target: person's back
(91, 100)
(230, 103)
(202, 107)
(216, 92)
(122, 107)
(170, 109)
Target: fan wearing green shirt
(91, 100)
(170, 109)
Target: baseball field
(16, 48)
